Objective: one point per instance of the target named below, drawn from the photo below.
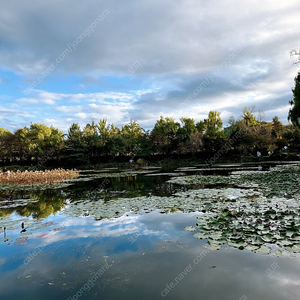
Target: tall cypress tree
(294, 112)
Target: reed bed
(37, 177)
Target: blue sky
(64, 63)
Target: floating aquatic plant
(279, 181)
(260, 214)
(241, 218)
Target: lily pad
(263, 250)
(190, 228)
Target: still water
(47, 254)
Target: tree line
(102, 141)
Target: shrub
(140, 161)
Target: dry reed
(37, 177)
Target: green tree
(91, 140)
(22, 145)
(144, 145)
(111, 141)
(6, 141)
(188, 128)
(164, 135)
(292, 137)
(189, 138)
(116, 146)
(193, 144)
(130, 134)
(104, 133)
(38, 142)
(294, 112)
(277, 128)
(248, 116)
(75, 146)
(212, 126)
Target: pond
(218, 234)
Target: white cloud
(27, 100)
(81, 115)
(176, 44)
(68, 109)
(122, 226)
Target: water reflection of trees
(49, 202)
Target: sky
(64, 62)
